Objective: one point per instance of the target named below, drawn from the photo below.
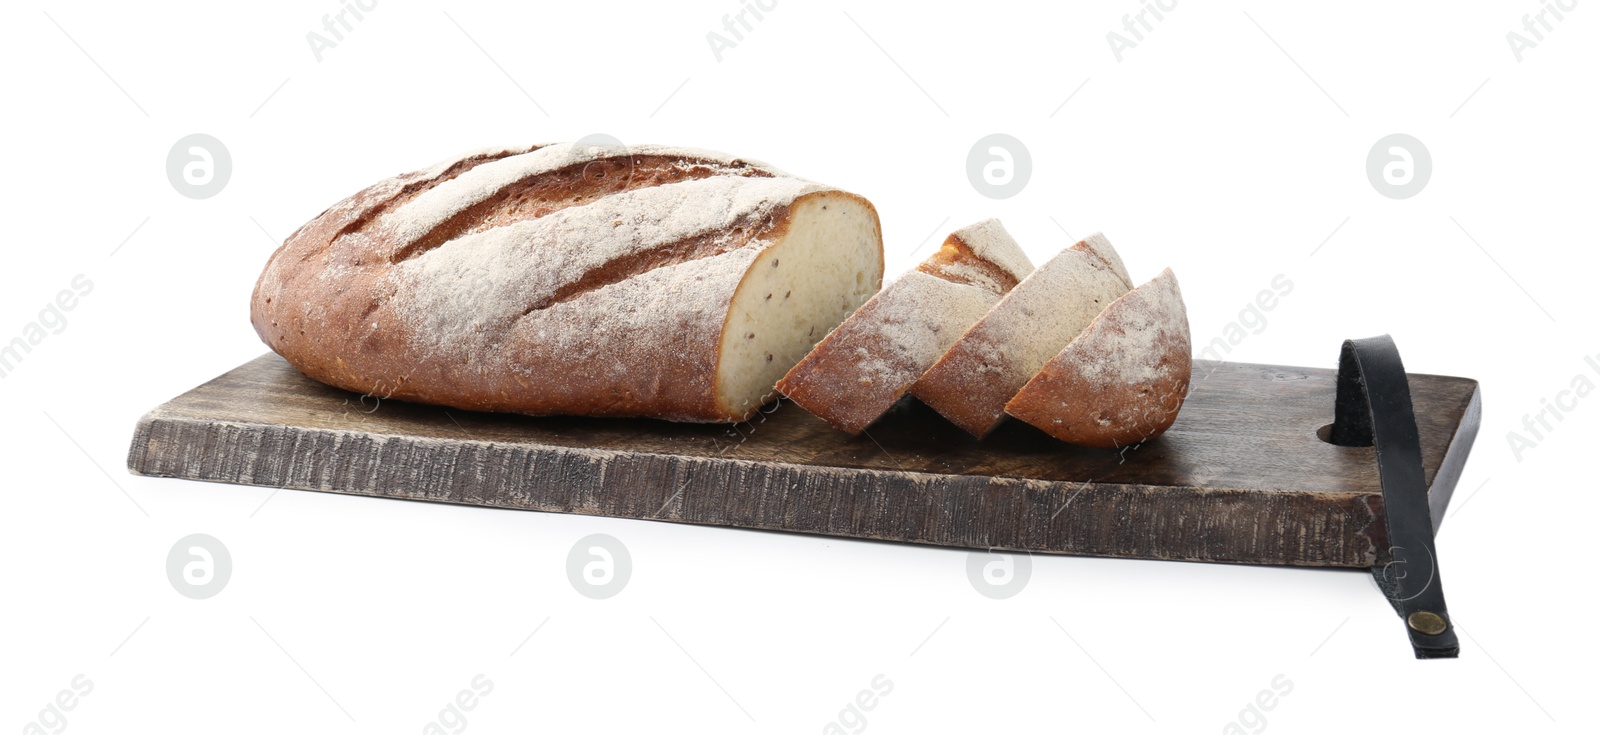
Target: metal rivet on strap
(1426, 623)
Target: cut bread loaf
(1123, 379)
(859, 370)
(971, 384)
(561, 279)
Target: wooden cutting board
(1241, 477)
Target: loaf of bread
(1123, 379)
(971, 384)
(858, 372)
(562, 279)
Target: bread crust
(1123, 380)
(522, 280)
(858, 372)
(985, 368)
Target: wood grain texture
(1240, 477)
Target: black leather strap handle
(1373, 408)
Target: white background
(1230, 145)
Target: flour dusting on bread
(855, 375)
(1123, 380)
(653, 281)
(972, 382)
(482, 281)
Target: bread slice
(562, 279)
(866, 364)
(1123, 379)
(972, 382)
(1101, 248)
